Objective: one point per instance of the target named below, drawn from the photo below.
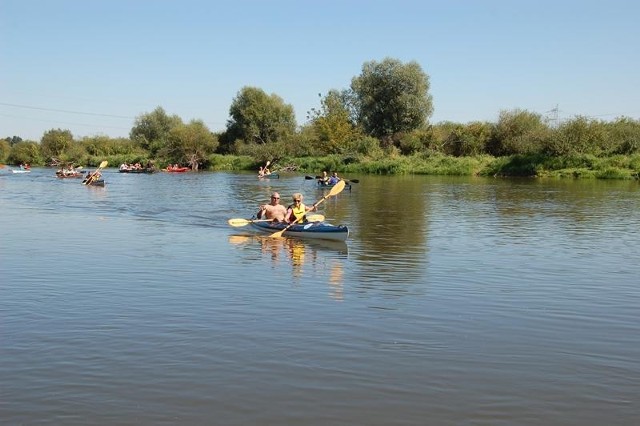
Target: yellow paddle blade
(279, 233)
(103, 164)
(338, 187)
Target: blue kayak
(324, 185)
(309, 230)
(270, 176)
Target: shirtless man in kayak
(274, 210)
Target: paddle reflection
(336, 280)
(318, 257)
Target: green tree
(25, 152)
(439, 135)
(469, 140)
(579, 135)
(391, 97)
(191, 144)
(624, 136)
(13, 140)
(74, 153)
(518, 132)
(104, 146)
(332, 126)
(150, 130)
(259, 118)
(5, 149)
(54, 143)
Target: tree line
(383, 114)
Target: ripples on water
(455, 301)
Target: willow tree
(5, 149)
(334, 131)
(391, 97)
(259, 118)
(190, 144)
(150, 130)
(518, 132)
(54, 143)
(25, 152)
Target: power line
(67, 111)
(95, 114)
(58, 123)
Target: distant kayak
(324, 185)
(269, 176)
(176, 169)
(64, 175)
(24, 168)
(99, 182)
(149, 170)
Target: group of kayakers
(135, 166)
(278, 213)
(68, 171)
(176, 168)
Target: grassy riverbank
(578, 166)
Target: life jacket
(299, 211)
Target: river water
(454, 301)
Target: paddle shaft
(244, 222)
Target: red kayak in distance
(177, 169)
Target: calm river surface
(455, 301)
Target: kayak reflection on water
(301, 253)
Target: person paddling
(324, 180)
(92, 177)
(297, 211)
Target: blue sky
(93, 66)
